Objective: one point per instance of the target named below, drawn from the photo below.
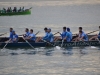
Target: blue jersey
(27, 34)
(33, 36)
(11, 35)
(85, 37)
(69, 36)
(46, 35)
(63, 35)
(15, 37)
(98, 36)
(49, 37)
(70, 33)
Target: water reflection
(48, 51)
(68, 51)
(47, 61)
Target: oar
(98, 40)
(88, 44)
(58, 47)
(51, 44)
(5, 45)
(3, 34)
(30, 8)
(48, 43)
(28, 42)
(89, 32)
(92, 31)
(62, 42)
(35, 34)
(56, 33)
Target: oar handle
(20, 35)
(56, 33)
(3, 34)
(24, 34)
(92, 31)
(48, 43)
(30, 8)
(59, 33)
(37, 32)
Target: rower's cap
(68, 29)
(45, 28)
(49, 28)
(13, 31)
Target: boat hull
(45, 44)
(23, 44)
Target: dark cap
(31, 30)
(64, 27)
(45, 28)
(27, 29)
(80, 27)
(68, 29)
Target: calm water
(50, 61)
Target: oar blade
(57, 47)
(93, 47)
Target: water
(50, 61)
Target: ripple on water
(47, 61)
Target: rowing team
(66, 35)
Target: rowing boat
(22, 43)
(26, 12)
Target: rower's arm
(82, 37)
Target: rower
(15, 9)
(40, 38)
(3, 10)
(63, 35)
(15, 37)
(31, 37)
(19, 9)
(50, 37)
(8, 10)
(70, 34)
(27, 33)
(82, 36)
(77, 35)
(11, 35)
(96, 36)
(23, 8)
